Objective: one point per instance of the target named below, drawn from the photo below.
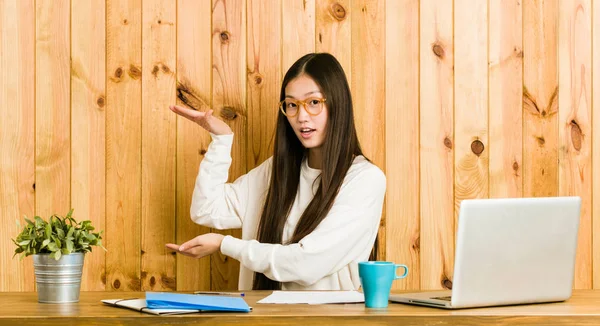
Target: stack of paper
(314, 297)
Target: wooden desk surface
(23, 309)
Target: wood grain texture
(298, 31)
(193, 90)
(540, 98)
(575, 122)
(596, 146)
(123, 144)
(229, 104)
(505, 98)
(471, 101)
(334, 31)
(21, 309)
(17, 112)
(52, 114)
(263, 77)
(159, 21)
(402, 138)
(436, 128)
(88, 119)
(368, 87)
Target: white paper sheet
(314, 297)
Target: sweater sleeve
(216, 203)
(344, 234)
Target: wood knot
(202, 152)
(515, 166)
(518, 52)
(448, 143)
(152, 281)
(100, 102)
(446, 283)
(116, 284)
(477, 147)
(228, 113)
(258, 79)
(224, 36)
(125, 22)
(159, 21)
(166, 69)
(543, 113)
(576, 135)
(541, 141)
(103, 278)
(34, 186)
(142, 251)
(119, 72)
(155, 71)
(168, 282)
(438, 50)
(135, 72)
(417, 244)
(338, 11)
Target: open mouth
(306, 132)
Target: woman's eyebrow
(312, 92)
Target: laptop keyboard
(446, 298)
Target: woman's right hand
(204, 119)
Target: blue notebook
(168, 300)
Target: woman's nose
(302, 113)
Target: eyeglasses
(291, 107)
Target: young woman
(310, 212)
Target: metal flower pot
(58, 281)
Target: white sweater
(326, 259)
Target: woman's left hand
(200, 246)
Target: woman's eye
(291, 105)
(314, 102)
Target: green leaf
(45, 243)
(38, 221)
(70, 233)
(56, 255)
(48, 230)
(52, 247)
(29, 221)
(61, 233)
(69, 246)
(24, 243)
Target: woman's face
(306, 111)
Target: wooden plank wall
(453, 100)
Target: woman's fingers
(187, 113)
(172, 246)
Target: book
(141, 306)
(204, 302)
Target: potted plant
(58, 247)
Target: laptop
(509, 251)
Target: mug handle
(405, 271)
